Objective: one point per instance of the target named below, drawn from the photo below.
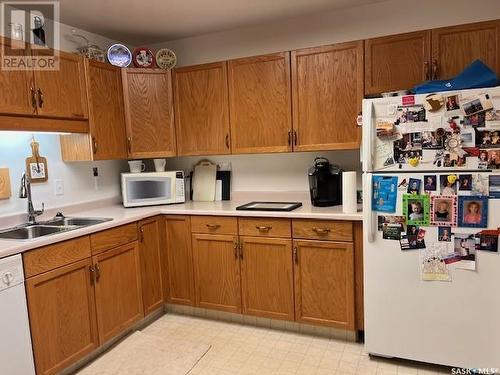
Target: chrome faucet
(25, 192)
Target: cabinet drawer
(111, 238)
(322, 230)
(54, 256)
(264, 227)
(214, 224)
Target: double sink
(58, 224)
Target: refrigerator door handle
(368, 136)
(367, 207)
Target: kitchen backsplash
(79, 183)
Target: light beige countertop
(120, 215)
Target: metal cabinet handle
(142, 234)
(264, 228)
(321, 230)
(40, 97)
(241, 250)
(92, 274)
(213, 226)
(236, 246)
(94, 145)
(97, 272)
(227, 140)
(129, 145)
(289, 138)
(296, 255)
(295, 138)
(33, 98)
(426, 70)
(434, 69)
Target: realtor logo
(31, 31)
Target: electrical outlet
(59, 187)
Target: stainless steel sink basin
(32, 231)
(59, 224)
(78, 221)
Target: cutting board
(36, 165)
(5, 191)
(204, 177)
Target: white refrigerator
(452, 320)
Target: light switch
(59, 187)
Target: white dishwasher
(16, 355)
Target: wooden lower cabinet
(267, 277)
(178, 278)
(62, 316)
(217, 272)
(118, 290)
(324, 283)
(151, 269)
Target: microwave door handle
(367, 207)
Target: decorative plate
(165, 58)
(143, 58)
(119, 55)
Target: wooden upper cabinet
(179, 279)
(151, 269)
(454, 48)
(201, 109)
(267, 277)
(149, 113)
(62, 92)
(327, 90)
(217, 272)
(118, 290)
(397, 62)
(324, 283)
(260, 103)
(107, 119)
(62, 316)
(16, 96)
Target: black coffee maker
(325, 183)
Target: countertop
(121, 215)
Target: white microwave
(149, 189)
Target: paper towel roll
(349, 195)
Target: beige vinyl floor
(244, 350)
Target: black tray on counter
(269, 206)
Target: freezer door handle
(367, 207)
(368, 138)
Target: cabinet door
(151, 270)
(324, 283)
(106, 113)
(202, 110)
(397, 62)
(16, 96)
(179, 278)
(327, 89)
(118, 290)
(260, 103)
(62, 316)
(454, 48)
(62, 92)
(217, 272)
(267, 277)
(149, 113)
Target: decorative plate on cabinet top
(143, 58)
(165, 58)
(119, 55)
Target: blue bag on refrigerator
(476, 75)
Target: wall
(271, 172)
(287, 171)
(389, 17)
(77, 177)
